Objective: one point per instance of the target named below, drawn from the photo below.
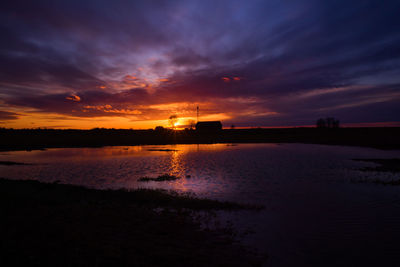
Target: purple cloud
(259, 63)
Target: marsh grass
(163, 150)
(385, 165)
(64, 193)
(160, 178)
(393, 182)
(9, 163)
(49, 224)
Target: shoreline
(37, 139)
(43, 148)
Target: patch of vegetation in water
(65, 193)
(164, 150)
(160, 178)
(385, 165)
(393, 182)
(9, 163)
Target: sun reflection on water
(177, 168)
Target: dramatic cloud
(5, 115)
(254, 63)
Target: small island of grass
(160, 178)
(9, 163)
(384, 165)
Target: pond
(315, 214)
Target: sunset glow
(200, 133)
(132, 65)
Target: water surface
(314, 214)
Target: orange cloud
(99, 107)
(237, 78)
(110, 109)
(130, 77)
(129, 81)
(73, 97)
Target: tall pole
(197, 113)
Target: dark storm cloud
(283, 60)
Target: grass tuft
(9, 163)
(385, 165)
(160, 178)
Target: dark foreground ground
(382, 138)
(64, 225)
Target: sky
(133, 64)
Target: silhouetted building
(209, 126)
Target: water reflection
(177, 169)
(311, 206)
(216, 170)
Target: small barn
(209, 126)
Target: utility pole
(197, 113)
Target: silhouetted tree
(336, 124)
(321, 123)
(329, 122)
(173, 119)
(192, 124)
(159, 129)
(232, 126)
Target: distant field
(383, 138)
